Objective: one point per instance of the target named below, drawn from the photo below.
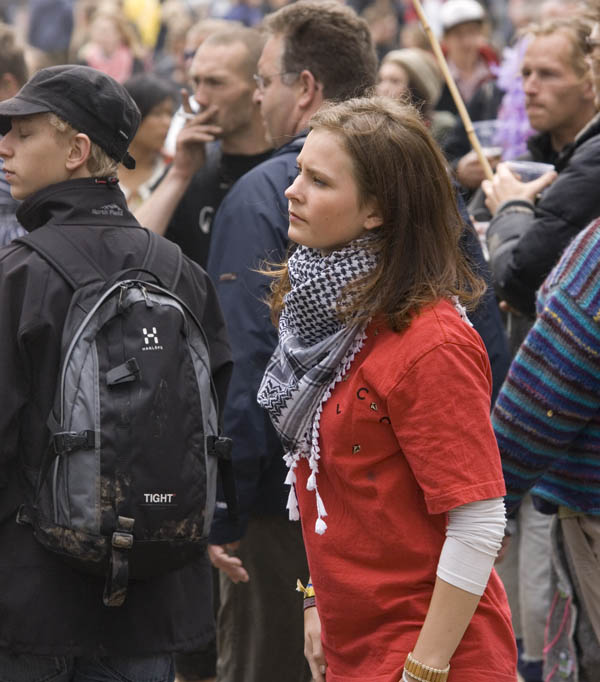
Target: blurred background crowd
(129, 36)
(530, 86)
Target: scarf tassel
(320, 526)
(292, 505)
(290, 479)
(320, 506)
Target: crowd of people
(403, 349)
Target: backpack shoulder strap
(164, 259)
(56, 247)
(61, 251)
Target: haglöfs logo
(151, 339)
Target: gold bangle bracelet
(425, 673)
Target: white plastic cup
(489, 134)
(527, 171)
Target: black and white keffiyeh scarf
(315, 351)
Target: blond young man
(65, 133)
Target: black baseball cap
(90, 101)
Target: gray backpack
(127, 486)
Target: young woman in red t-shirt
(380, 391)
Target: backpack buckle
(219, 446)
(67, 441)
(122, 540)
(117, 579)
(23, 516)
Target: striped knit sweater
(547, 416)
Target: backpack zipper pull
(149, 303)
(122, 289)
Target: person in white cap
(468, 55)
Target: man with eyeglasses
(217, 145)
(315, 50)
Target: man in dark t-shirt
(220, 143)
(191, 223)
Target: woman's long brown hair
(419, 261)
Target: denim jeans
(26, 668)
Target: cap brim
(17, 106)
(465, 19)
(128, 161)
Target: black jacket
(486, 317)
(45, 606)
(526, 242)
(250, 227)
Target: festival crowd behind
(219, 161)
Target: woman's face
(392, 80)
(155, 125)
(105, 33)
(323, 201)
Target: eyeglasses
(263, 82)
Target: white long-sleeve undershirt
(473, 538)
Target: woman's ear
(374, 218)
(79, 153)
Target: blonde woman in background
(412, 75)
(112, 45)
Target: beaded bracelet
(309, 602)
(425, 673)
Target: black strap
(54, 245)
(164, 259)
(117, 578)
(220, 447)
(124, 373)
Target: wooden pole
(456, 96)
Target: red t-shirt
(405, 437)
